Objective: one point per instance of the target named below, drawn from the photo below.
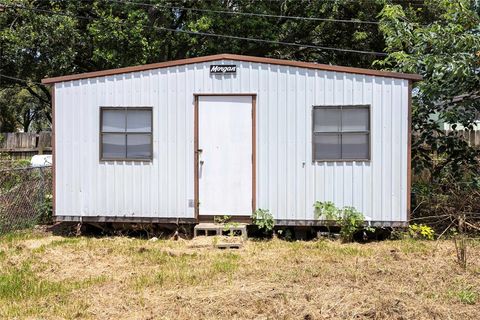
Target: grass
(225, 264)
(24, 293)
(465, 292)
(467, 296)
(11, 237)
(47, 277)
(21, 283)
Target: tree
(21, 110)
(32, 45)
(45, 38)
(446, 52)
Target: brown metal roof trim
(235, 57)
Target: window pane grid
(140, 144)
(357, 141)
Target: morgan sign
(223, 68)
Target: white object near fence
(41, 160)
(175, 142)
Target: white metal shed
(186, 140)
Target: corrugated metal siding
(288, 182)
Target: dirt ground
(51, 277)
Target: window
(341, 133)
(125, 133)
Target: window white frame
(125, 133)
(340, 133)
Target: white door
(225, 155)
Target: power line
(412, 2)
(252, 14)
(21, 80)
(58, 13)
(209, 34)
(275, 42)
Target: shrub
(263, 219)
(447, 203)
(326, 210)
(421, 231)
(46, 210)
(349, 219)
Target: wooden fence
(471, 136)
(20, 145)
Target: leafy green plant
(348, 218)
(21, 163)
(227, 224)
(326, 210)
(46, 210)
(221, 219)
(228, 227)
(421, 231)
(263, 219)
(351, 221)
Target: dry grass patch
(125, 278)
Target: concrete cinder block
(218, 229)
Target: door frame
(209, 218)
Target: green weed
(63, 242)
(467, 296)
(21, 283)
(15, 236)
(421, 231)
(226, 263)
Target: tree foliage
(92, 35)
(446, 52)
(21, 110)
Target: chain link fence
(25, 197)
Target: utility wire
(209, 34)
(409, 2)
(252, 14)
(275, 42)
(21, 80)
